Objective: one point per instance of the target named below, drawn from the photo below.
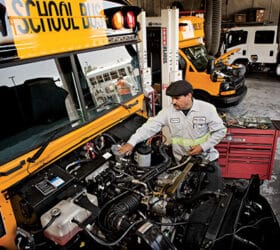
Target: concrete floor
(263, 100)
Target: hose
(116, 217)
(246, 242)
(202, 196)
(158, 169)
(180, 164)
(101, 241)
(212, 26)
(216, 26)
(208, 24)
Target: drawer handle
(230, 138)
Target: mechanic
(195, 127)
(123, 89)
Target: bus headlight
(225, 86)
(226, 89)
(239, 70)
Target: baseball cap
(178, 88)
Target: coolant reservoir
(62, 229)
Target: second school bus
(213, 79)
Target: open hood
(227, 55)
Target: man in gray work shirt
(195, 126)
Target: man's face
(182, 102)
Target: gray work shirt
(201, 126)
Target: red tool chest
(244, 152)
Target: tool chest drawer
(244, 152)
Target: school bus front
(213, 80)
(60, 62)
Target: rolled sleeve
(148, 129)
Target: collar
(195, 106)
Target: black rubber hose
(208, 24)
(158, 169)
(202, 196)
(216, 27)
(246, 242)
(116, 218)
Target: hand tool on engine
(172, 189)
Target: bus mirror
(214, 77)
(210, 66)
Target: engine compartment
(94, 198)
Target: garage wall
(153, 7)
(230, 7)
(272, 8)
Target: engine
(95, 198)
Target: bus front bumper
(232, 100)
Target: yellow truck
(63, 183)
(213, 80)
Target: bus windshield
(198, 57)
(67, 90)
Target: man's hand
(125, 149)
(195, 150)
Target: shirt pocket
(176, 126)
(200, 126)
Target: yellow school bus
(50, 104)
(213, 79)
(71, 92)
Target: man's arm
(148, 129)
(217, 130)
(126, 149)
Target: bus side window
(264, 37)
(114, 74)
(47, 100)
(122, 72)
(36, 102)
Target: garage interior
(262, 99)
(229, 8)
(76, 191)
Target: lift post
(145, 70)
